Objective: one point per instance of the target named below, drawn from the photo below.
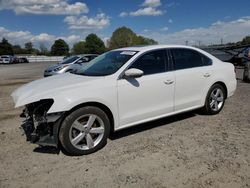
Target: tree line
(121, 37)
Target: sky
(166, 21)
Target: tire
(215, 100)
(246, 73)
(84, 131)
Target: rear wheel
(215, 99)
(84, 131)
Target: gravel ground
(188, 150)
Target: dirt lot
(188, 150)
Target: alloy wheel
(86, 132)
(216, 99)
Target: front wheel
(84, 131)
(215, 100)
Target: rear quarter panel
(224, 72)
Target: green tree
(6, 48)
(28, 47)
(140, 40)
(122, 37)
(94, 45)
(43, 49)
(79, 48)
(246, 40)
(60, 47)
(17, 49)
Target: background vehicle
(119, 89)
(6, 59)
(70, 64)
(246, 73)
(22, 60)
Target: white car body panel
(191, 86)
(135, 97)
(148, 99)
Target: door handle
(206, 75)
(168, 82)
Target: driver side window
(151, 62)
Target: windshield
(107, 63)
(69, 60)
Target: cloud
(71, 39)
(123, 14)
(170, 21)
(164, 29)
(231, 31)
(21, 37)
(55, 7)
(84, 22)
(150, 8)
(147, 11)
(152, 3)
(173, 4)
(43, 37)
(15, 37)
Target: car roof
(153, 47)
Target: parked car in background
(70, 64)
(246, 59)
(120, 89)
(7, 59)
(22, 60)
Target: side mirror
(133, 73)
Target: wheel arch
(217, 82)
(224, 87)
(98, 105)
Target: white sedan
(119, 89)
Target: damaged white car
(119, 89)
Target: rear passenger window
(151, 62)
(206, 61)
(186, 58)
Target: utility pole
(221, 41)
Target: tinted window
(92, 57)
(185, 58)
(84, 59)
(151, 62)
(70, 60)
(206, 61)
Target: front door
(149, 96)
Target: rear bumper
(232, 88)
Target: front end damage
(39, 126)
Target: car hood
(48, 87)
(52, 67)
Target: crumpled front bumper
(43, 131)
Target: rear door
(193, 74)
